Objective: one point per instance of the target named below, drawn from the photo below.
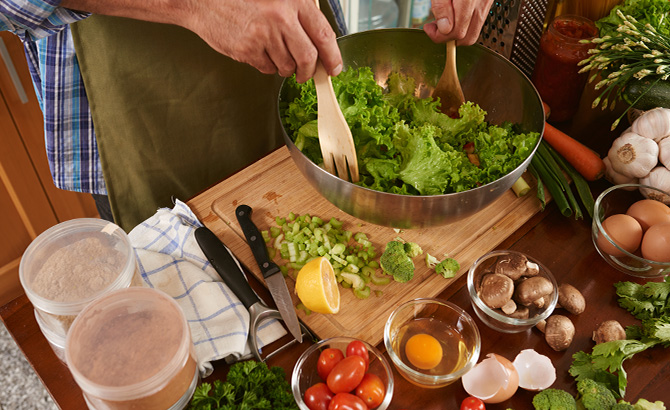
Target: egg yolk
(423, 351)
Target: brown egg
(624, 230)
(656, 243)
(649, 212)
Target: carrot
(585, 161)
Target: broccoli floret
(644, 404)
(448, 268)
(413, 249)
(594, 395)
(396, 262)
(622, 405)
(431, 261)
(554, 399)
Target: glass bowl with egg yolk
(431, 342)
(610, 235)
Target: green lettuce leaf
(404, 144)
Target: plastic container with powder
(132, 349)
(68, 266)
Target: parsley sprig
(250, 385)
(650, 303)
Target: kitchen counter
(563, 245)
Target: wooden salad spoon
(448, 88)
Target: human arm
(284, 36)
(459, 20)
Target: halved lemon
(316, 286)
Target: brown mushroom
(509, 307)
(521, 312)
(559, 332)
(571, 299)
(496, 290)
(532, 269)
(531, 289)
(609, 330)
(512, 265)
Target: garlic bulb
(617, 178)
(658, 178)
(654, 124)
(664, 152)
(633, 155)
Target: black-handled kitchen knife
(223, 261)
(230, 271)
(274, 279)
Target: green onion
(549, 168)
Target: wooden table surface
(563, 245)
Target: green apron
(172, 117)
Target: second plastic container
(132, 349)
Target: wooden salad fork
(448, 88)
(335, 139)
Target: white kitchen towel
(170, 259)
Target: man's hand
(274, 36)
(459, 20)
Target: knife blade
(274, 279)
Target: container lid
(74, 262)
(127, 344)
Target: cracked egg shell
(493, 380)
(536, 371)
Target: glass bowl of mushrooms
(510, 291)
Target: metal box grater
(513, 29)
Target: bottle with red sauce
(556, 74)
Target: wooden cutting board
(274, 187)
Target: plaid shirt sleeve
(35, 19)
(70, 142)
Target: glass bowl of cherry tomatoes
(342, 372)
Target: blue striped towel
(170, 259)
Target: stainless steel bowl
(487, 78)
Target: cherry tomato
(472, 403)
(357, 348)
(318, 397)
(346, 374)
(371, 390)
(346, 401)
(327, 360)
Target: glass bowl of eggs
(631, 229)
(431, 342)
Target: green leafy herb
(249, 385)
(650, 303)
(404, 144)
